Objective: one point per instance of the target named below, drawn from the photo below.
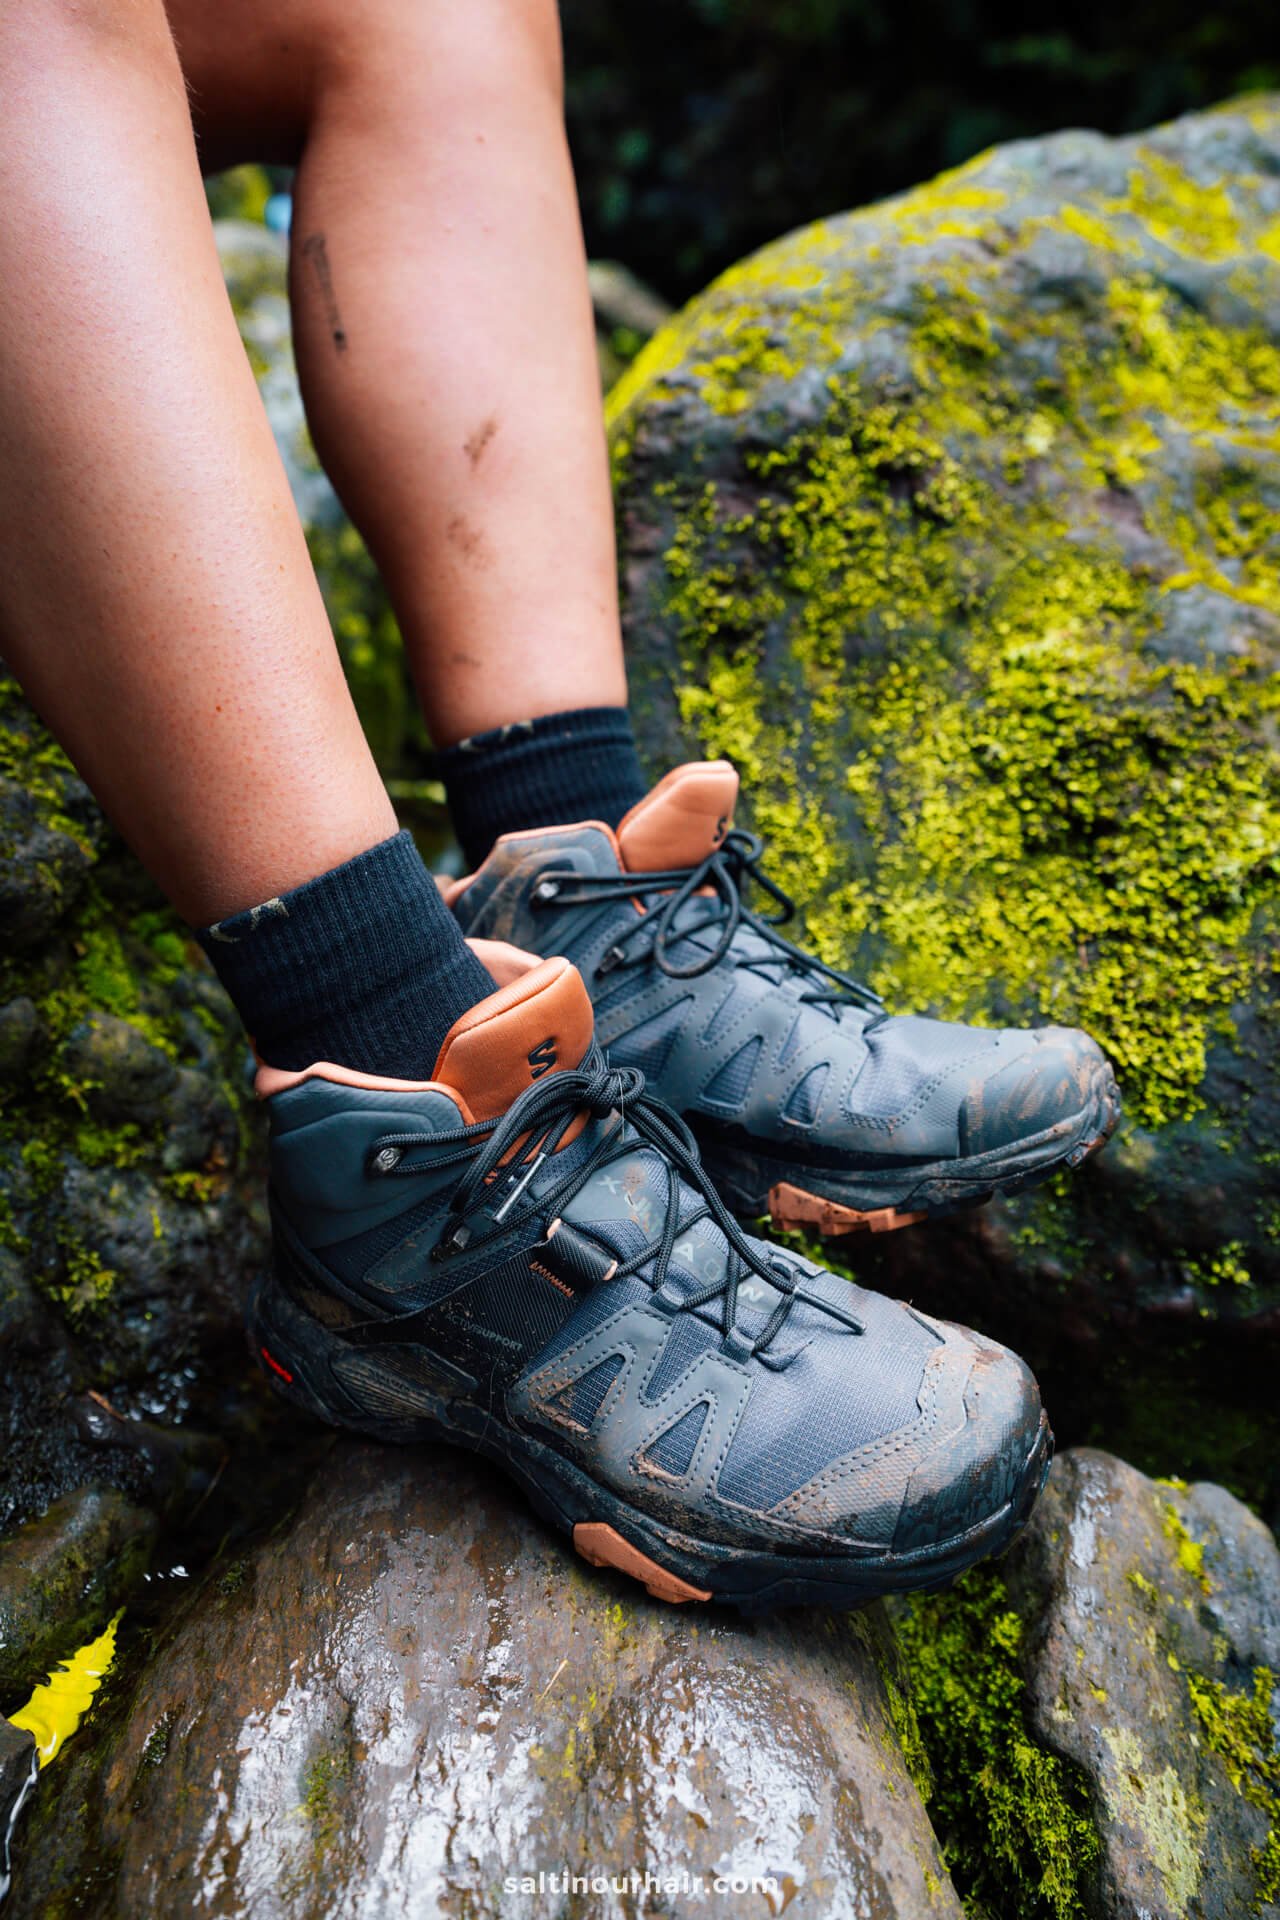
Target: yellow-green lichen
(1154, 1802)
(1189, 1552)
(1056, 818)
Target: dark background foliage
(702, 128)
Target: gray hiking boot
(524, 1256)
(810, 1102)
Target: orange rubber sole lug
(792, 1208)
(604, 1546)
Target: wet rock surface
(63, 1576)
(1152, 1619)
(956, 523)
(413, 1692)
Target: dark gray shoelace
(725, 870)
(505, 1156)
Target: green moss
(1011, 1818)
(1240, 1730)
(85, 1284)
(241, 193)
(1226, 1267)
(156, 1748)
(321, 1784)
(906, 1726)
(1056, 821)
(105, 962)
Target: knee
(440, 54)
(120, 26)
(68, 36)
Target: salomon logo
(543, 1058)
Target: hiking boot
(811, 1103)
(523, 1255)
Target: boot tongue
(683, 820)
(541, 1023)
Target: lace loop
(520, 1145)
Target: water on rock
(412, 1695)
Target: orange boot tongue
(540, 1024)
(684, 819)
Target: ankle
(553, 771)
(363, 966)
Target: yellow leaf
(56, 1709)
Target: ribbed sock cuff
(365, 966)
(549, 772)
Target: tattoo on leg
(315, 250)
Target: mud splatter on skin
(474, 447)
(315, 250)
(469, 540)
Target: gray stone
(61, 1578)
(19, 1026)
(130, 1075)
(1152, 1629)
(17, 1777)
(414, 1692)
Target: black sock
(365, 966)
(550, 772)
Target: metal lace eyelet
(545, 891)
(611, 958)
(387, 1159)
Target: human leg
(156, 597)
(442, 325)
(815, 1105)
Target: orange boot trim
(792, 1207)
(603, 1546)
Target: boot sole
(298, 1354)
(833, 1205)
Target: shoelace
(523, 1140)
(735, 861)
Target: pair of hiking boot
(537, 1253)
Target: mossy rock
(1096, 1734)
(130, 1151)
(955, 522)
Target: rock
(61, 1578)
(41, 878)
(620, 300)
(1152, 1636)
(130, 1076)
(19, 1026)
(17, 1777)
(130, 1147)
(954, 522)
(414, 1692)
(1097, 1708)
(181, 1464)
